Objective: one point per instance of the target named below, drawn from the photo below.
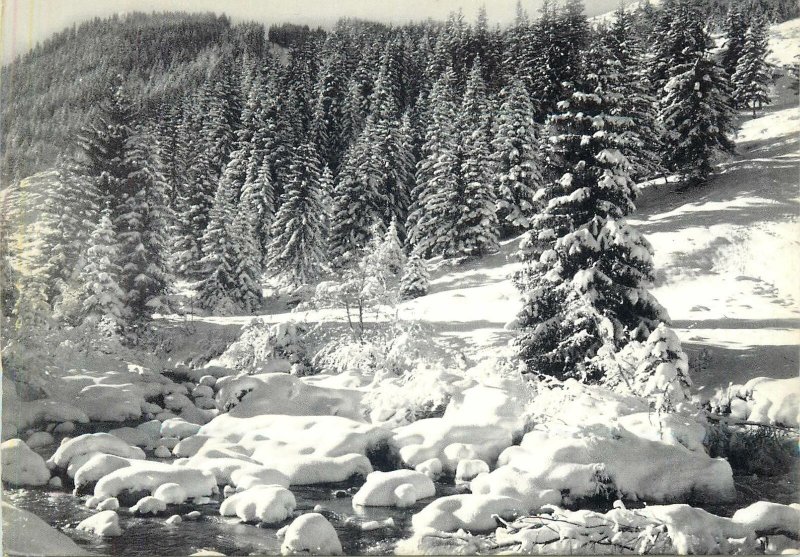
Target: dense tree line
(441, 138)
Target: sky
(26, 22)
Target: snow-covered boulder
(149, 476)
(322, 469)
(134, 436)
(270, 504)
(468, 469)
(245, 478)
(97, 466)
(470, 512)
(309, 534)
(763, 400)
(93, 443)
(24, 533)
(765, 517)
(171, 493)
(432, 468)
(110, 504)
(162, 452)
(509, 482)
(104, 523)
(178, 427)
(380, 488)
(39, 439)
(149, 505)
(21, 465)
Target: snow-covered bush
(268, 347)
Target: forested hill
(52, 91)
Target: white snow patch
(104, 523)
(21, 465)
(310, 533)
(380, 488)
(270, 504)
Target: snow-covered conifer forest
(447, 287)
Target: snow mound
(280, 393)
(585, 465)
(509, 482)
(93, 443)
(178, 427)
(470, 512)
(104, 523)
(765, 517)
(250, 477)
(97, 466)
(763, 400)
(134, 436)
(110, 504)
(469, 469)
(171, 493)
(265, 503)
(309, 534)
(380, 489)
(149, 505)
(149, 476)
(21, 465)
(24, 533)
(39, 439)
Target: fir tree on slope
(103, 299)
(141, 231)
(752, 78)
(415, 279)
(8, 275)
(585, 285)
(515, 157)
(735, 37)
(696, 110)
(297, 253)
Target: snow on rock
(21, 465)
(104, 523)
(468, 469)
(281, 393)
(310, 534)
(431, 468)
(585, 465)
(19, 414)
(767, 517)
(510, 482)
(171, 493)
(149, 505)
(152, 428)
(97, 466)
(270, 504)
(56, 482)
(110, 504)
(486, 405)
(428, 438)
(149, 476)
(207, 381)
(178, 427)
(405, 495)
(39, 439)
(162, 452)
(762, 400)
(245, 478)
(672, 429)
(24, 533)
(174, 519)
(470, 512)
(65, 427)
(93, 443)
(203, 391)
(302, 470)
(380, 489)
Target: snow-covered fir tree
(696, 109)
(8, 275)
(194, 206)
(415, 279)
(515, 154)
(753, 76)
(585, 284)
(736, 26)
(31, 312)
(385, 251)
(103, 299)
(297, 253)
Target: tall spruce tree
(696, 109)
(752, 78)
(297, 253)
(103, 299)
(735, 36)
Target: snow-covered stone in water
(151, 428)
(764, 517)
(178, 427)
(510, 482)
(202, 500)
(470, 512)
(110, 504)
(172, 494)
(192, 515)
(97, 466)
(149, 505)
(104, 523)
(64, 427)
(405, 495)
(207, 553)
(203, 391)
(199, 416)
(39, 439)
(94, 443)
(168, 442)
(21, 465)
(149, 476)
(247, 477)
(33, 536)
(162, 452)
(431, 468)
(310, 534)
(92, 502)
(379, 489)
(266, 503)
(468, 469)
(55, 481)
(174, 519)
(134, 436)
(207, 380)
